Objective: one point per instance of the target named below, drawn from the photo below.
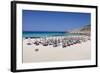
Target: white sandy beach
(48, 53)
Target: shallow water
(45, 34)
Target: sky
(33, 20)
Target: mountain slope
(83, 30)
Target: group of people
(64, 42)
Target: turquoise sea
(44, 34)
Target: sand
(48, 53)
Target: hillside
(86, 28)
(83, 30)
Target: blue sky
(53, 21)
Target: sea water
(43, 34)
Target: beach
(39, 53)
